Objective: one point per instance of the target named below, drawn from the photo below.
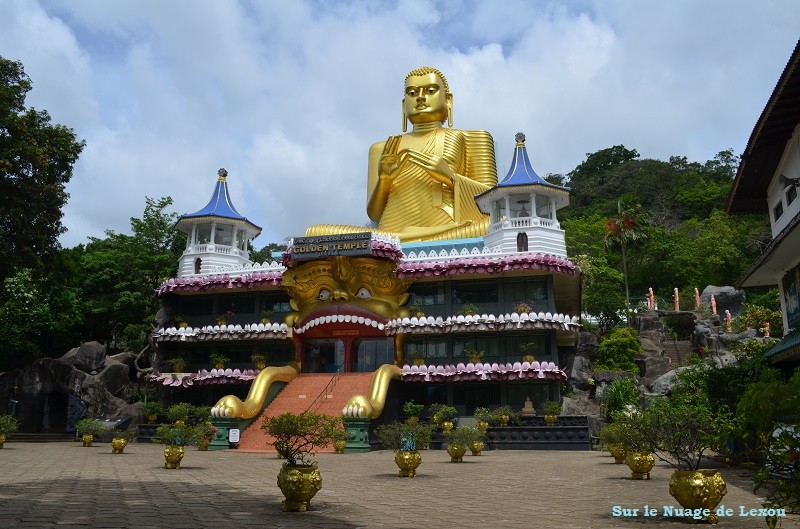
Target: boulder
(91, 357)
(653, 369)
(648, 321)
(115, 376)
(653, 343)
(581, 372)
(727, 298)
(728, 339)
(663, 384)
(587, 345)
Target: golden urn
(456, 452)
(482, 426)
(551, 420)
(87, 439)
(476, 447)
(118, 444)
(408, 461)
(698, 489)
(640, 464)
(173, 455)
(299, 484)
(617, 452)
(447, 426)
(339, 445)
(2, 439)
(503, 420)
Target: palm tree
(624, 229)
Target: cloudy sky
(288, 95)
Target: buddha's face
(425, 99)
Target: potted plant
(87, 429)
(445, 416)
(551, 410)
(405, 439)
(340, 441)
(179, 412)
(180, 321)
(260, 360)
(638, 449)
(8, 425)
(482, 419)
(459, 439)
(413, 410)
(473, 355)
(416, 308)
(470, 309)
(416, 357)
(611, 435)
(681, 430)
(175, 438)
(529, 348)
(296, 438)
(265, 314)
(225, 317)
(177, 363)
(153, 410)
(205, 434)
(120, 439)
(522, 307)
(219, 360)
(504, 415)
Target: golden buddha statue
(421, 185)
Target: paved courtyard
(65, 485)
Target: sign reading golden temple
(305, 248)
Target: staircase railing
(328, 388)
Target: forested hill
(687, 240)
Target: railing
(524, 222)
(215, 248)
(328, 388)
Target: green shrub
(619, 394)
(618, 350)
(8, 424)
(298, 435)
(754, 317)
(391, 435)
(681, 326)
(88, 426)
(176, 435)
(551, 407)
(179, 411)
(463, 435)
(412, 409)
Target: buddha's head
(427, 97)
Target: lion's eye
(363, 293)
(324, 295)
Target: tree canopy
(36, 159)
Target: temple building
(471, 302)
(768, 180)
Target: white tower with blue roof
(522, 210)
(217, 235)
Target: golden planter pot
(118, 444)
(202, 445)
(173, 455)
(456, 453)
(261, 365)
(408, 461)
(617, 452)
(503, 420)
(2, 439)
(528, 358)
(551, 420)
(152, 418)
(339, 446)
(482, 426)
(698, 489)
(447, 426)
(476, 447)
(299, 485)
(640, 464)
(87, 439)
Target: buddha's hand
(390, 162)
(436, 166)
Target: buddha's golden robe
(420, 208)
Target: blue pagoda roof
(220, 204)
(521, 172)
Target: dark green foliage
(602, 293)
(298, 435)
(411, 409)
(88, 426)
(618, 350)
(463, 435)
(619, 394)
(179, 411)
(177, 434)
(36, 159)
(390, 434)
(779, 479)
(681, 326)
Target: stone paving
(65, 485)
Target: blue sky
(288, 96)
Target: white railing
(524, 222)
(215, 248)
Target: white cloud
(288, 96)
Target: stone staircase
(677, 351)
(318, 392)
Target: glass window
(323, 356)
(373, 353)
(538, 392)
(426, 294)
(791, 194)
(530, 291)
(468, 396)
(204, 234)
(196, 306)
(276, 302)
(777, 210)
(486, 342)
(224, 235)
(243, 307)
(483, 291)
(519, 345)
